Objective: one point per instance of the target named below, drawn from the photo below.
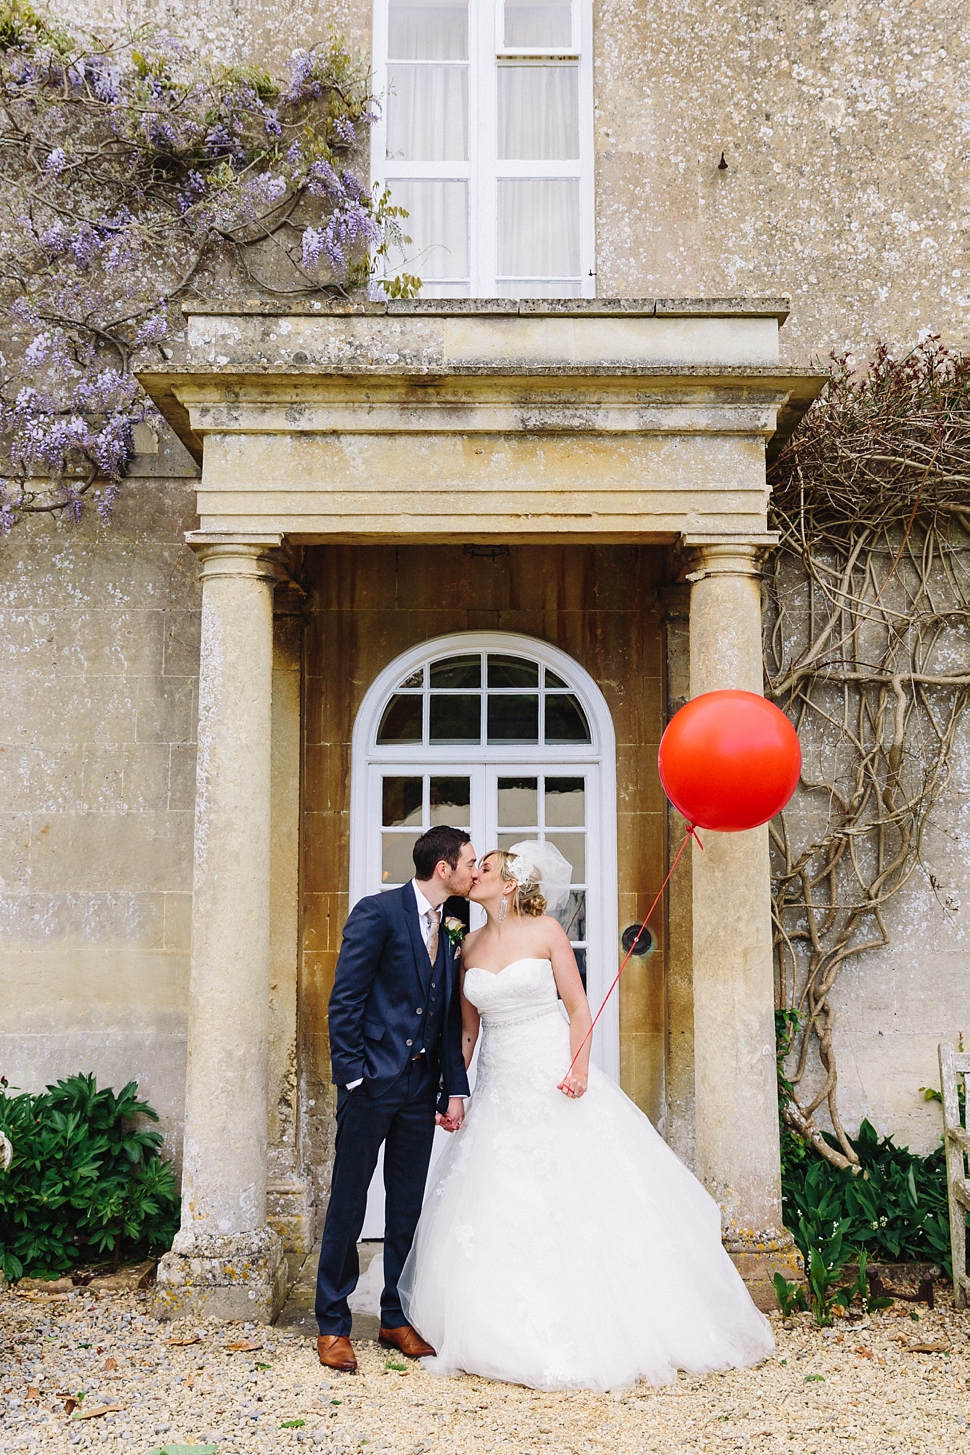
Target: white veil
(545, 863)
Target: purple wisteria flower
(180, 154)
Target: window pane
(416, 679)
(427, 113)
(538, 227)
(437, 224)
(572, 916)
(432, 31)
(573, 848)
(581, 962)
(456, 719)
(457, 672)
(539, 23)
(514, 719)
(397, 866)
(538, 112)
(451, 801)
(401, 722)
(401, 800)
(565, 720)
(518, 802)
(565, 802)
(536, 288)
(512, 672)
(551, 680)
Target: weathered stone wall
(99, 649)
(845, 129)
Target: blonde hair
(528, 897)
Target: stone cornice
(777, 308)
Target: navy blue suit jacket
(380, 998)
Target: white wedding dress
(562, 1244)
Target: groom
(395, 1048)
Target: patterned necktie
(433, 917)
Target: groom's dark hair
(441, 842)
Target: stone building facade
(194, 749)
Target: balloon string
(690, 834)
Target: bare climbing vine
(866, 648)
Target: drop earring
(503, 909)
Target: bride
(562, 1244)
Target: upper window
(486, 140)
(483, 698)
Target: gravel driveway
(862, 1386)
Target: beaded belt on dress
(521, 1020)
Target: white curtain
(539, 23)
(538, 228)
(538, 112)
(427, 113)
(438, 226)
(434, 31)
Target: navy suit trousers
(403, 1119)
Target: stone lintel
(222, 1276)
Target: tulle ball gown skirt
(562, 1244)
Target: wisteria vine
(132, 176)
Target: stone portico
(587, 424)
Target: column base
(289, 1212)
(222, 1276)
(758, 1257)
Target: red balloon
(729, 761)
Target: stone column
(736, 1123)
(226, 1262)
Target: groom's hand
(452, 1119)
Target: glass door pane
(546, 806)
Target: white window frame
(483, 169)
(597, 759)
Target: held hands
(574, 1085)
(451, 1120)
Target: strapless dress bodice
(524, 989)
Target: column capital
(235, 553)
(727, 555)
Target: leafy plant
(790, 1296)
(894, 1207)
(86, 1179)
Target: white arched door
(511, 739)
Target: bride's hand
(573, 1085)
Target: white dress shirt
(423, 906)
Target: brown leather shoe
(407, 1340)
(335, 1352)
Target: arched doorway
(510, 738)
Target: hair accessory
(544, 862)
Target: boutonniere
(456, 930)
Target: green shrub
(894, 1208)
(86, 1179)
